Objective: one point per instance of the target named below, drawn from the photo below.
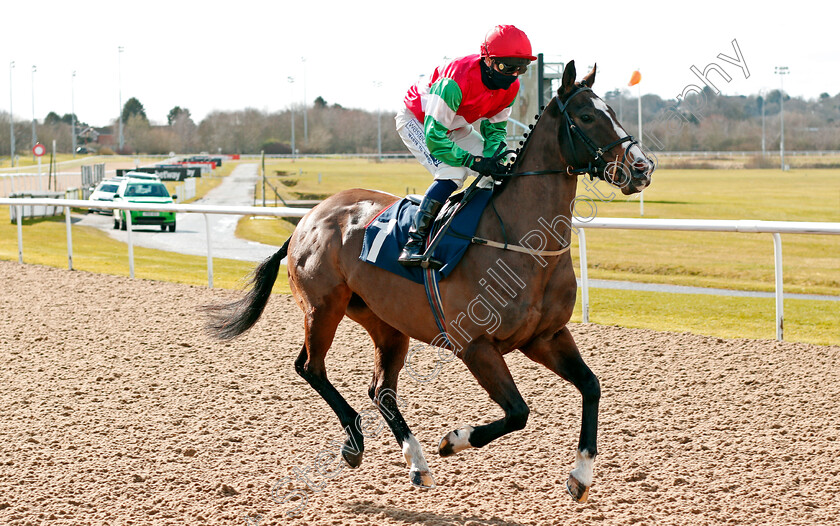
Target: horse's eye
(586, 118)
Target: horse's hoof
(577, 490)
(353, 460)
(421, 479)
(455, 441)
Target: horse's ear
(589, 79)
(569, 76)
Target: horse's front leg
(559, 353)
(488, 366)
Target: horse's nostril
(641, 167)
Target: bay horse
(576, 133)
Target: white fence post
(19, 218)
(780, 299)
(584, 278)
(209, 251)
(69, 237)
(189, 188)
(130, 245)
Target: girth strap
(517, 248)
(430, 282)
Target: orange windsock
(635, 78)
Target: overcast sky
(232, 55)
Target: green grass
(722, 260)
(725, 260)
(45, 243)
(272, 231)
(723, 316)
(395, 177)
(26, 161)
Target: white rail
(694, 225)
(705, 225)
(146, 207)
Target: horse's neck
(532, 201)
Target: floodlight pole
(621, 105)
(305, 130)
(781, 71)
(11, 117)
(642, 193)
(763, 94)
(34, 132)
(73, 111)
(120, 50)
(640, 113)
(378, 85)
(292, 105)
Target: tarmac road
(190, 236)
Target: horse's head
(594, 141)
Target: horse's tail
(230, 320)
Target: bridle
(599, 165)
(596, 167)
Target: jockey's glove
(489, 166)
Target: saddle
(449, 238)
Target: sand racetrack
(117, 410)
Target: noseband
(597, 167)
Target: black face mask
(493, 79)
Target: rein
(596, 169)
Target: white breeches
(412, 134)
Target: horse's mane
(498, 189)
(527, 135)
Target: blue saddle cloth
(387, 233)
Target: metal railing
(704, 225)
(693, 225)
(67, 204)
(744, 153)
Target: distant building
(89, 135)
(104, 136)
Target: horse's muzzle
(640, 170)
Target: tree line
(328, 129)
(709, 122)
(702, 122)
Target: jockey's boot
(421, 224)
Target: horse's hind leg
(560, 354)
(321, 323)
(391, 348)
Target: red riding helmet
(507, 41)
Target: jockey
(437, 123)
